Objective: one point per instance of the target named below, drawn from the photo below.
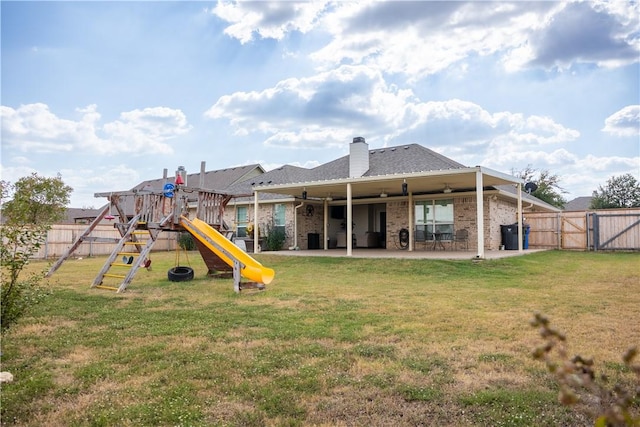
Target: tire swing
(403, 238)
(180, 273)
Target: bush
(186, 242)
(274, 237)
(19, 243)
(29, 207)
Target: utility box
(313, 241)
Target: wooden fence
(61, 236)
(610, 229)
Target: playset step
(132, 261)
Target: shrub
(186, 242)
(274, 237)
(29, 207)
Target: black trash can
(509, 236)
(313, 241)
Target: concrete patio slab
(403, 254)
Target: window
(242, 221)
(434, 216)
(279, 210)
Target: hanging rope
(179, 248)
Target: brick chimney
(358, 157)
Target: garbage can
(526, 228)
(509, 236)
(313, 241)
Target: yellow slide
(227, 251)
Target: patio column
(520, 217)
(480, 212)
(256, 233)
(349, 222)
(411, 210)
(326, 224)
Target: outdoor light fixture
(383, 194)
(304, 194)
(405, 189)
(447, 189)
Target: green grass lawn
(331, 342)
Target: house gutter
(295, 228)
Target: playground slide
(227, 250)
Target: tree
(549, 189)
(620, 192)
(37, 202)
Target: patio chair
(461, 237)
(420, 237)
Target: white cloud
(312, 137)
(327, 109)
(418, 39)
(13, 173)
(146, 130)
(625, 122)
(86, 181)
(34, 128)
(267, 19)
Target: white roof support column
(256, 233)
(480, 212)
(349, 221)
(411, 221)
(325, 222)
(520, 216)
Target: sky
(108, 94)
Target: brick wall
(496, 213)
(397, 219)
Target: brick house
(404, 196)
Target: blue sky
(108, 94)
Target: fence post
(559, 229)
(596, 232)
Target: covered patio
(472, 182)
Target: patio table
(439, 238)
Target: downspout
(295, 228)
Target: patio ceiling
(373, 186)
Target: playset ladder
(134, 248)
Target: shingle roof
(72, 215)
(282, 175)
(382, 161)
(388, 161)
(579, 204)
(219, 180)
